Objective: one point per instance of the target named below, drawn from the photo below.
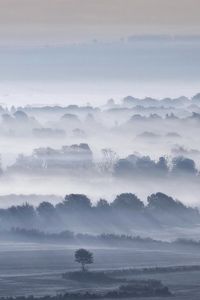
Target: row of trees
(130, 201)
(80, 157)
(80, 202)
(80, 206)
(144, 166)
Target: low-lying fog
(134, 145)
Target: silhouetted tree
(163, 202)
(162, 166)
(46, 209)
(123, 167)
(127, 201)
(134, 165)
(102, 204)
(184, 165)
(75, 203)
(24, 214)
(84, 257)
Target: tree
(109, 160)
(160, 201)
(84, 257)
(128, 201)
(183, 166)
(46, 210)
(76, 202)
(103, 205)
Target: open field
(33, 269)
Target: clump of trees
(73, 157)
(78, 159)
(136, 166)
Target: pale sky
(63, 21)
(48, 53)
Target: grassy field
(37, 269)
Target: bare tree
(110, 158)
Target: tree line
(77, 213)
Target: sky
(59, 51)
(64, 21)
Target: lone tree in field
(83, 257)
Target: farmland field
(35, 269)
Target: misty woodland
(99, 149)
(117, 176)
